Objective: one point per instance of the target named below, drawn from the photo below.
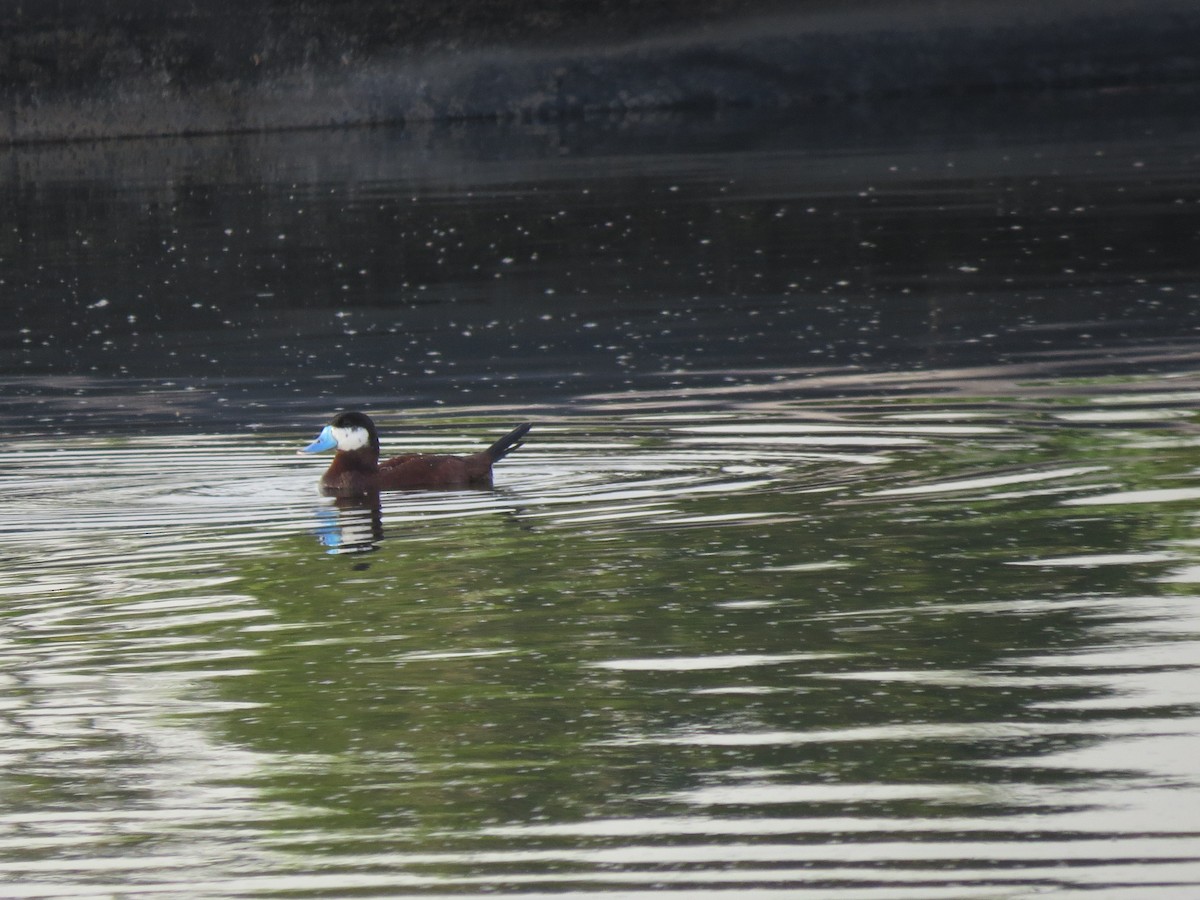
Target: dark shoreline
(122, 68)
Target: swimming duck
(356, 469)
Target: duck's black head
(347, 431)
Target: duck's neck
(365, 459)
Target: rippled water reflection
(890, 647)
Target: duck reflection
(351, 524)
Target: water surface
(853, 553)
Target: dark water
(854, 552)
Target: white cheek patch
(350, 438)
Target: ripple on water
(703, 653)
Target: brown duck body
(360, 472)
(357, 470)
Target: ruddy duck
(356, 469)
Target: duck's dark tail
(508, 443)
